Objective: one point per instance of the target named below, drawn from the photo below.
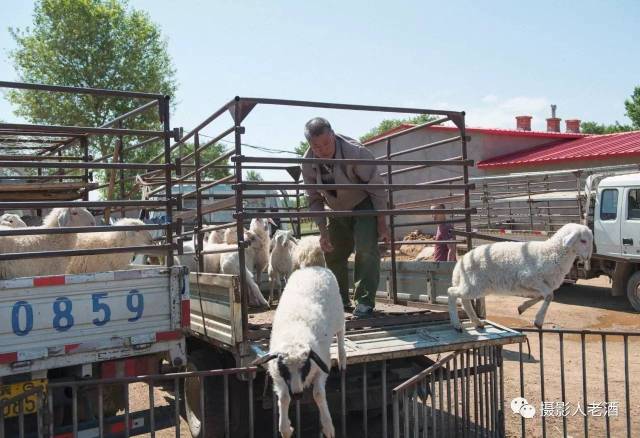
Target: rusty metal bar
(344, 161)
(606, 381)
(364, 399)
(80, 130)
(268, 186)
(80, 252)
(429, 145)
(79, 90)
(384, 398)
(627, 398)
(339, 213)
(152, 409)
(457, 161)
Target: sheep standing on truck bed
(308, 253)
(309, 315)
(262, 229)
(59, 217)
(531, 269)
(10, 220)
(280, 259)
(111, 239)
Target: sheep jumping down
(58, 217)
(280, 259)
(309, 315)
(10, 220)
(230, 264)
(530, 269)
(109, 239)
(308, 253)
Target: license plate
(29, 403)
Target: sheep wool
(308, 253)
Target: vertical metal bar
(394, 279)
(50, 407)
(40, 414)
(425, 425)
(203, 421)
(562, 383)
(298, 232)
(626, 384)
(298, 418)
(449, 398)
(167, 175)
(396, 415)
(177, 406)
(487, 404)
(2, 423)
(198, 237)
(416, 427)
(365, 419)
(522, 429)
(121, 173)
(84, 144)
(606, 381)
(384, 399)
(152, 409)
(343, 401)
(239, 218)
(432, 390)
(542, 399)
(21, 418)
(463, 395)
(502, 412)
(455, 392)
(274, 414)
(494, 377)
(441, 399)
(405, 412)
(126, 410)
(468, 389)
(584, 384)
(74, 408)
(251, 413)
(101, 410)
(226, 405)
(475, 391)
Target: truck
(531, 206)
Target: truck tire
(633, 290)
(214, 421)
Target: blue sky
(493, 59)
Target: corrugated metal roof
(594, 147)
(488, 131)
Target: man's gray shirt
(340, 173)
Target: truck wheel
(214, 420)
(633, 290)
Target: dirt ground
(582, 306)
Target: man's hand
(325, 241)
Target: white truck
(532, 206)
(106, 324)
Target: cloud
(493, 112)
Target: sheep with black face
(309, 315)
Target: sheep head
(577, 238)
(73, 217)
(12, 221)
(136, 237)
(261, 225)
(282, 237)
(294, 370)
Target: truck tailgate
(47, 322)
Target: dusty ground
(583, 306)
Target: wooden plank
(34, 187)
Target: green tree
(252, 175)
(91, 43)
(632, 105)
(601, 128)
(302, 148)
(208, 155)
(388, 124)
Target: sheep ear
(272, 222)
(314, 356)
(264, 359)
(570, 239)
(64, 217)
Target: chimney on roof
(573, 126)
(523, 123)
(553, 123)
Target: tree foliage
(388, 124)
(601, 128)
(252, 175)
(302, 148)
(91, 43)
(632, 107)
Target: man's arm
(314, 198)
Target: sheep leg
(543, 311)
(272, 284)
(524, 306)
(283, 407)
(342, 353)
(471, 313)
(321, 400)
(453, 312)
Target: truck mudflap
(57, 321)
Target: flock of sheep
(68, 217)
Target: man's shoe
(362, 311)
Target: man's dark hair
(315, 127)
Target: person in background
(443, 252)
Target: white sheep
(308, 253)
(262, 229)
(280, 259)
(215, 236)
(109, 239)
(58, 217)
(531, 269)
(230, 264)
(309, 315)
(10, 220)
